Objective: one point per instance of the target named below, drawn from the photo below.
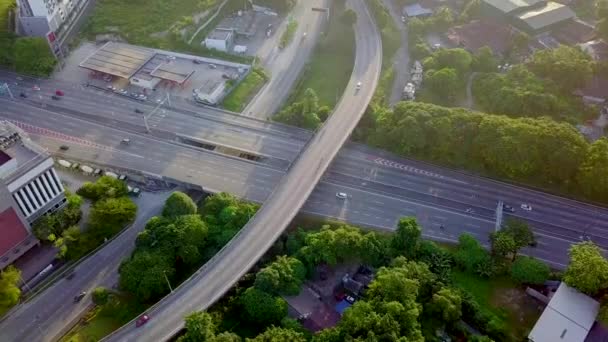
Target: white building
(29, 188)
(568, 317)
(42, 18)
(220, 39)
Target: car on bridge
(142, 320)
(526, 207)
(341, 195)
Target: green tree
(104, 187)
(100, 295)
(200, 327)
(145, 275)
(592, 176)
(443, 83)
(276, 334)
(446, 303)
(520, 231)
(458, 59)
(349, 17)
(179, 204)
(569, 67)
(33, 56)
(484, 60)
(284, 276)
(588, 269)
(9, 287)
(406, 239)
(112, 214)
(303, 113)
(471, 256)
(503, 244)
(528, 270)
(261, 307)
(602, 315)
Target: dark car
(79, 296)
(23, 95)
(55, 97)
(142, 320)
(508, 208)
(64, 147)
(197, 61)
(139, 111)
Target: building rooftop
(175, 72)
(480, 33)
(416, 10)
(509, 6)
(574, 32)
(118, 59)
(220, 34)
(545, 16)
(597, 49)
(13, 231)
(19, 154)
(245, 24)
(568, 317)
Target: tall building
(48, 18)
(29, 188)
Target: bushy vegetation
(27, 55)
(539, 151)
(240, 96)
(306, 113)
(331, 64)
(288, 34)
(10, 278)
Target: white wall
(216, 44)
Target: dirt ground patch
(523, 310)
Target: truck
(409, 91)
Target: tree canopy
(10, 292)
(569, 67)
(104, 187)
(528, 270)
(588, 269)
(261, 307)
(304, 113)
(179, 204)
(283, 276)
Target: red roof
(12, 231)
(480, 33)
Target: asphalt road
(401, 60)
(286, 65)
(217, 276)
(45, 317)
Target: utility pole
(498, 216)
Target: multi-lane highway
(219, 274)
(381, 187)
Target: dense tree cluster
(10, 292)
(49, 227)
(104, 187)
(172, 246)
(306, 113)
(567, 67)
(538, 151)
(283, 276)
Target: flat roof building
(569, 317)
(29, 188)
(506, 7)
(543, 18)
(220, 39)
(416, 11)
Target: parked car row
(124, 92)
(87, 170)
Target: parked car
(142, 320)
(59, 92)
(350, 299)
(508, 208)
(341, 195)
(79, 296)
(97, 172)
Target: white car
(526, 207)
(341, 195)
(358, 85)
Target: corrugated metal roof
(547, 15)
(117, 59)
(568, 317)
(508, 6)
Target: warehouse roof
(118, 59)
(552, 13)
(172, 72)
(568, 317)
(508, 6)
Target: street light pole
(167, 279)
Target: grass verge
(331, 64)
(100, 321)
(245, 91)
(503, 297)
(287, 36)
